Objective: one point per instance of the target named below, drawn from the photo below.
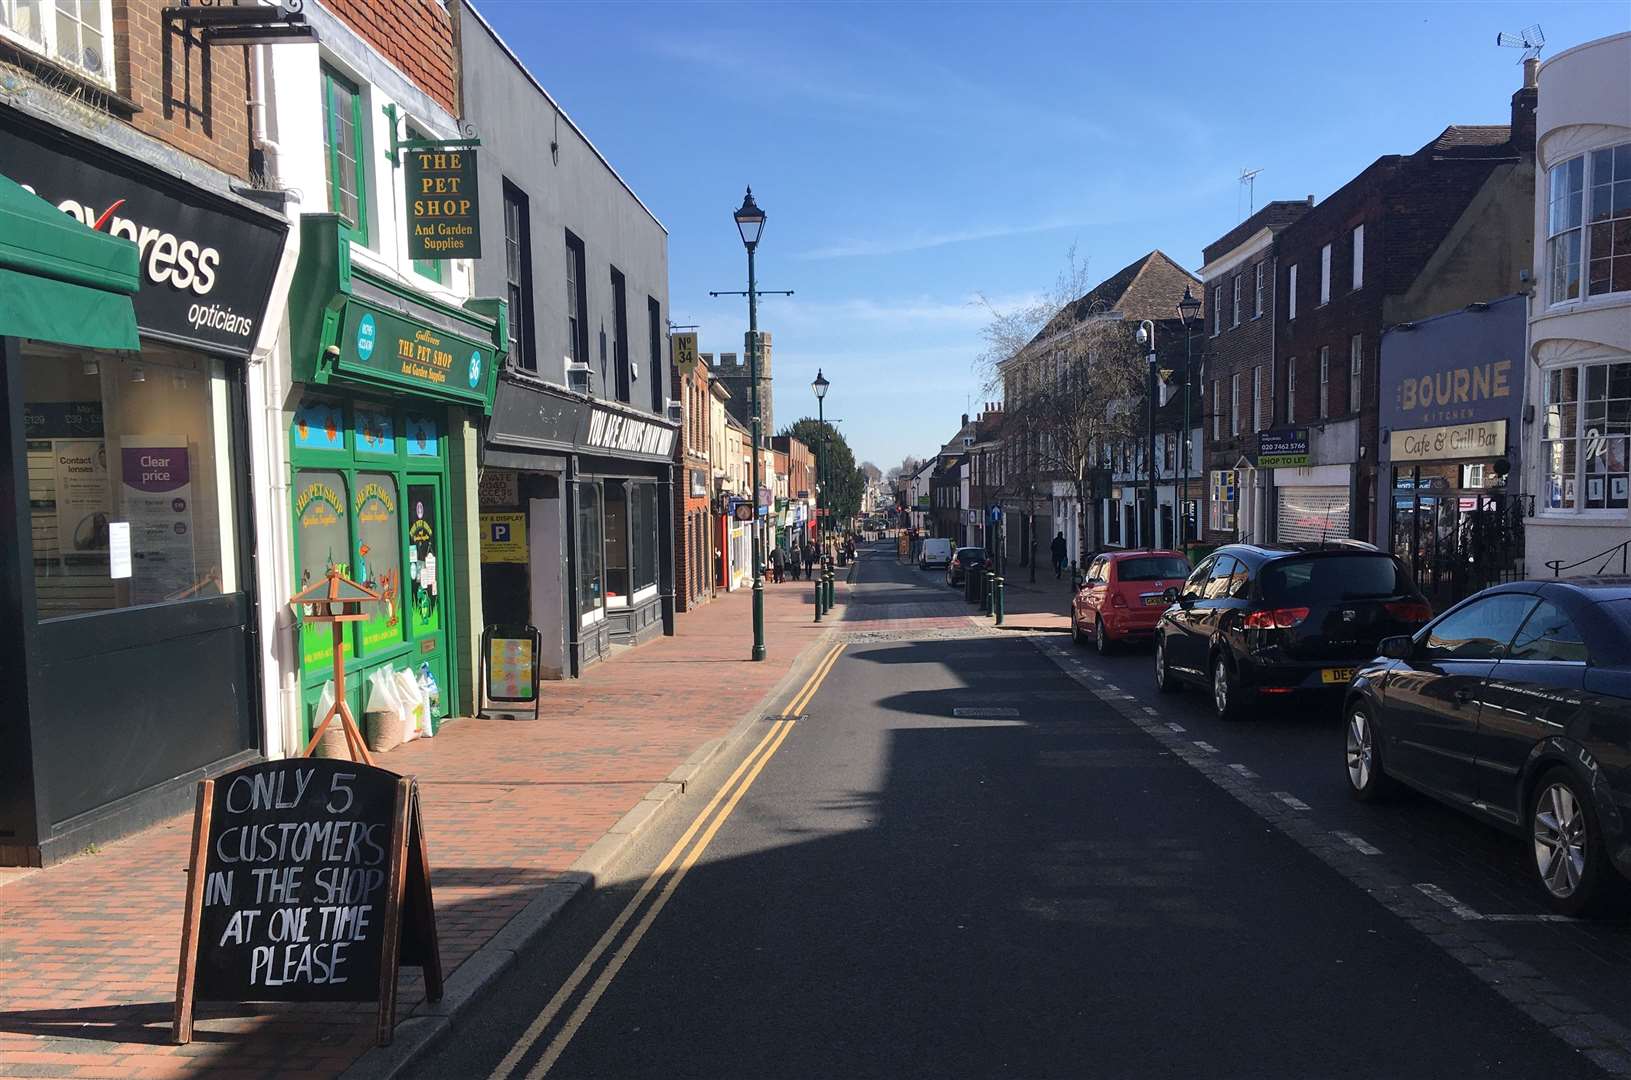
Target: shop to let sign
(444, 207)
(1485, 439)
(1283, 449)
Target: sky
(918, 161)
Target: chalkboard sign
(308, 882)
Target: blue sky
(911, 157)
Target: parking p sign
(504, 538)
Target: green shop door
(424, 594)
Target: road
(979, 853)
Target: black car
(962, 561)
(1256, 620)
(1515, 706)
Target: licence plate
(1155, 601)
(1337, 675)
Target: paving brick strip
(520, 816)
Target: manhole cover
(985, 713)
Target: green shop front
(391, 386)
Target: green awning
(60, 281)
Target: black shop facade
(131, 300)
(577, 501)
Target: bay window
(1588, 224)
(1586, 435)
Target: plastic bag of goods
(415, 705)
(382, 721)
(332, 744)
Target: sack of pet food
(382, 722)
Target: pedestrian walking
(1058, 547)
(809, 559)
(794, 562)
(777, 561)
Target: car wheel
(1075, 631)
(1566, 849)
(1366, 779)
(1225, 694)
(1101, 640)
(1165, 681)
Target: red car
(1121, 598)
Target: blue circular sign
(475, 369)
(365, 337)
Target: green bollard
(815, 594)
(988, 581)
(997, 602)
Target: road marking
(1528, 918)
(992, 713)
(773, 740)
(1439, 896)
(1290, 800)
(1152, 712)
(1357, 843)
(1179, 728)
(1243, 771)
(1208, 747)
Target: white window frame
(1291, 294)
(46, 45)
(1356, 372)
(1257, 398)
(1579, 224)
(1262, 277)
(1291, 390)
(1325, 275)
(1325, 381)
(1217, 414)
(1238, 279)
(1234, 404)
(1217, 310)
(1581, 435)
(1359, 257)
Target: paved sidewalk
(88, 948)
(1044, 605)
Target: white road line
(1439, 896)
(1243, 771)
(1357, 843)
(1208, 747)
(1179, 728)
(1290, 800)
(1528, 918)
(1152, 712)
(1112, 686)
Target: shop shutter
(1312, 514)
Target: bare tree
(1071, 377)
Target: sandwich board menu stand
(309, 878)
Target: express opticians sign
(207, 264)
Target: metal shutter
(1313, 514)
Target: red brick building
(694, 574)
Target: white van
(936, 551)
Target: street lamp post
(1146, 336)
(1188, 308)
(820, 387)
(750, 222)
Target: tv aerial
(1529, 39)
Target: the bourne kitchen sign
(444, 209)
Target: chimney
(1311, 200)
(965, 419)
(1524, 101)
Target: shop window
(130, 477)
(423, 595)
(1586, 437)
(343, 146)
(591, 598)
(643, 533)
(78, 33)
(577, 304)
(322, 538)
(378, 560)
(620, 334)
(617, 544)
(654, 316)
(518, 275)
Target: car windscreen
(1152, 568)
(1332, 579)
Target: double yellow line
(730, 793)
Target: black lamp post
(1146, 336)
(820, 387)
(1188, 308)
(750, 222)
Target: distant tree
(836, 462)
(872, 473)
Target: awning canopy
(60, 281)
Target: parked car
(1257, 620)
(935, 551)
(962, 561)
(1514, 706)
(1122, 596)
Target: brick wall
(138, 31)
(693, 536)
(415, 35)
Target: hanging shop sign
(683, 347)
(207, 263)
(309, 881)
(444, 205)
(1284, 448)
(742, 511)
(504, 538)
(1484, 439)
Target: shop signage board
(511, 654)
(309, 882)
(504, 538)
(499, 487)
(628, 434)
(1483, 439)
(156, 476)
(207, 264)
(444, 205)
(699, 483)
(742, 511)
(683, 347)
(412, 355)
(1284, 448)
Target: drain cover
(985, 713)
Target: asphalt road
(1037, 887)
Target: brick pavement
(88, 948)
